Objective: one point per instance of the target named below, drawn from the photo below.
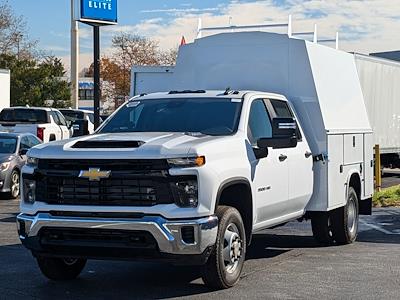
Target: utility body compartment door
(368, 165)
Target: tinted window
(33, 141)
(281, 109)
(259, 122)
(22, 115)
(25, 143)
(8, 145)
(61, 119)
(55, 117)
(213, 116)
(72, 115)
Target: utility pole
(74, 58)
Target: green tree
(33, 82)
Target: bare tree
(13, 37)
(130, 50)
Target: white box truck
(4, 89)
(188, 175)
(380, 80)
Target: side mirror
(23, 152)
(283, 134)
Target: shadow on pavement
(20, 277)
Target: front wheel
(61, 268)
(224, 266)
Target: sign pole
(74, 58)
(97, 90)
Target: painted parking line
(381, 229)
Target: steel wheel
(232, 251)
(14, 184)
(225, 263)
(351, 214)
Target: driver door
(269, 174)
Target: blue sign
(102, 11)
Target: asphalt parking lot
(282, 263)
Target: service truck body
(4, 89)
(291, 140)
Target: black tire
(321, 228)
(345, 220)
(61, 268)
(218, 272)
(15, 184)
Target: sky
(364, 26)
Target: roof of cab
(235, 94)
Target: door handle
(282, 157)
(307, 154)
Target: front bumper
(166, 233)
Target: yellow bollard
(378, 173)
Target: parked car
(48, 124)
(13, 149)
(73, 115)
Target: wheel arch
(237, 192)
(354, 180)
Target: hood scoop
(104, 144)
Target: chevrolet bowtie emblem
(94, 174)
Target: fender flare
(229, 182)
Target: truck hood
(123, 145)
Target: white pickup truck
(48, 124)
(190, 175)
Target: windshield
(8, 145)
(71, 115)
(23, 115)
(211, 116)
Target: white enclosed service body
(4, 89)
(321, 83)
(380, 80)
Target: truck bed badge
(94, 174)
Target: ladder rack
(290, 33)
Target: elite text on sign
(102, 11)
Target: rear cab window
(24, 115)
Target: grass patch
(387, 197)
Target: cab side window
(259, 122)
(24, 143)
(33, 141)
(55, 117)
(61, 119)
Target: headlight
(29, 190)
(4, 166)
(32, 162)
(185, 193)
(186, 162)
